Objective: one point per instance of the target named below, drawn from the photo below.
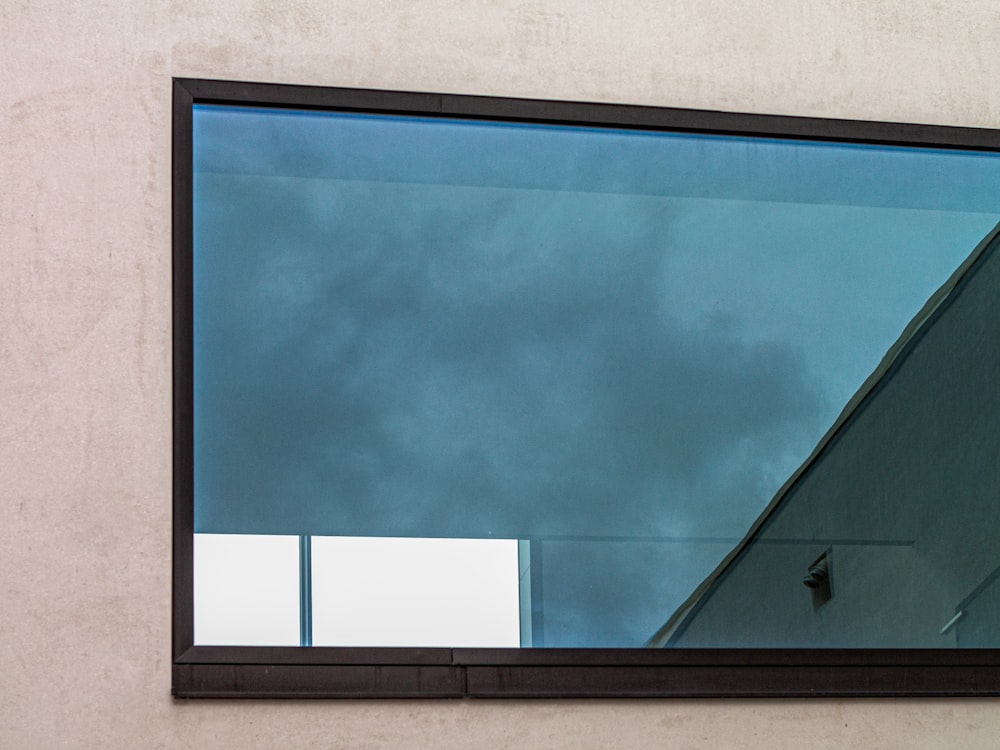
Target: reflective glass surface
(606, 351)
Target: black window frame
(288, 672)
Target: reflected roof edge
(678, 622)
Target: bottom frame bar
(632, 681)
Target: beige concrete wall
(85, 326)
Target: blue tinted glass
(614, 346)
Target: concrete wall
(85, 323)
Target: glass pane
(414, 592)
(614, 346)
(246, 590)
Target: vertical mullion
(305, 591)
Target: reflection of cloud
(436, 364)
(517, 378)
(611, 594)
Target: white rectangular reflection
(376, 591)
(246, 590)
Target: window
(493, 397)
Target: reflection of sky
(404, 328)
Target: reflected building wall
(901, 502)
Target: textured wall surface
(85, 320)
